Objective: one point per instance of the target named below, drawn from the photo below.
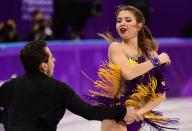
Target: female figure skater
(133, 75)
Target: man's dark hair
(32, 55)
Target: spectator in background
(70, 17)
(8, 31)
(143, 6)
(40, 29)
(1, 31)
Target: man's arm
(6, 93)
(1, 115)
(76, 105)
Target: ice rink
(172, 107)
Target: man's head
(36, 57)
(37, 15)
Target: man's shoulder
(61, 83)
(57, 83)
(12, 80)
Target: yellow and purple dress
(111, 89)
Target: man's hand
(131, 115)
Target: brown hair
(32, 55)
(146, 41)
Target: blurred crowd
(8, 32)
(66, 23)
(40, 29)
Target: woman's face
(126, 25)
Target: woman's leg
(112, 125)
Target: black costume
(37, 103)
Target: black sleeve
(3, 94)
(6, 93)
(76, 105)
(5, 98)
(0, 116)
